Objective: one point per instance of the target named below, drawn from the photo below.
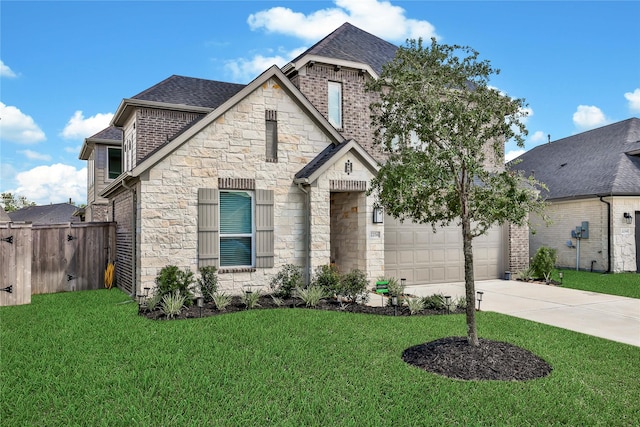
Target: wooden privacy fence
(54, 258)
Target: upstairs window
(334, 105)
(114, 162)
(271, 119)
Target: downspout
(608, 233)
(134, 232)
(307, 233)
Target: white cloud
(52, 184)
(15, 126)
(377, 17)
(244, 70)
(538, 136)
(634, 100)
(73, 150)
(79, 127)
(5, 71)
(589, 117)
(34, 155)
(510, 155)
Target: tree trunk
(472, 331)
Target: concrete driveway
(601, 315)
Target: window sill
(236, 270)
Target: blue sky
(65, 66)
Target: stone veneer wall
(233, 146)
(624, 251)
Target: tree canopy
(443, 129)
(11, 202)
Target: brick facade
(154, 127)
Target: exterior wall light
(378, 216)
(628, 218)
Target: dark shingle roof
(190, 91)
(59, 213)
(353, 44)
(111, 133)
(324, 156)
(603, 161)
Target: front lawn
(87, 358)
(623, 284)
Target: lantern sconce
(628, 218)
(378, 216)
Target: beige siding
(566, 216)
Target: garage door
(415, 252)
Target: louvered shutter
(264, 228)
(208, 228)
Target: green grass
(86, 359)
(623, 284)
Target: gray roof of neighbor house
(599, 162)
(4, 217)
(111, 133)
(58, 213)
(350, 43)
(190, 91)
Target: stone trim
(236, 184)
(347, 185)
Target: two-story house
(249, 178)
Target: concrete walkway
(601, 315)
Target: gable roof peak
(352, 44)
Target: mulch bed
(451, 357)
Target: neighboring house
(103, 152)
(58, 213)
(250, 178)
(4, 217)
(592, 177)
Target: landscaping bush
(286, 280)
(328, 278)
(434, 302)
(171, 279)
(394, 285)
(353, 286)
(208, 282)
(543, 262)
(172, 303)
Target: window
(114, 162)
(235, 226)
(334, 105)
(236, 229)
(271, 118)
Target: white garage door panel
(414, 252)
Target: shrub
(311, 295)
(172, 303)
(353, 286)
(221, 300)
(543, 262)
(434, 302)
(172, 279)
(208, 282)
(251, 298)
(327, 277)
(286, 280)
(395, 286)
(525, 274)
(461, 303)
(415, 305)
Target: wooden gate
(60, 257)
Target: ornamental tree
(443, 129)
